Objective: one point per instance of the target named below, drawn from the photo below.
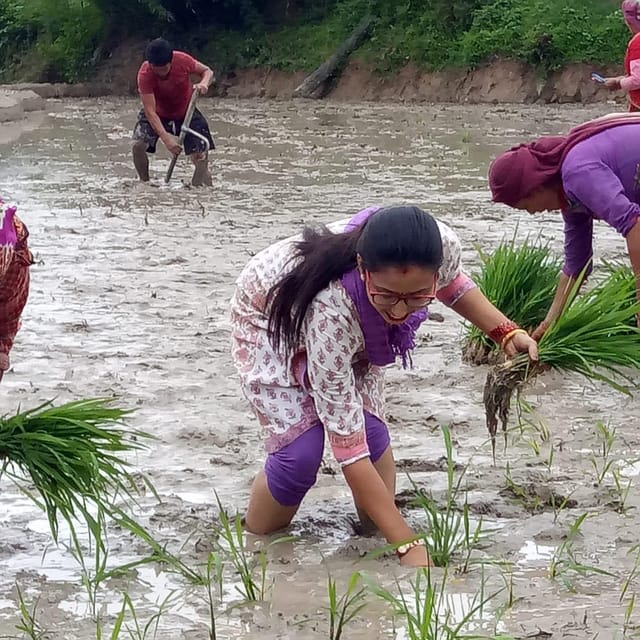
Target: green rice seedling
(528, 500)
(343, 609)
(558, 505)
(601, 459)
(246, 563)
(621, 490)
(215, 569)
(72, 454)
(159, 552)
(28, 624)
(251, 567)
(92, 579)
(520, 280)
(628, 626)
(137, 631)
(595, 337)
(565, 564)
(449, 530)
(423, 611)
(633, 574)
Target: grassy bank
(65, 39)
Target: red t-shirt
(633, 53)
(173, 92)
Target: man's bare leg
(141, 160)
(201, 175)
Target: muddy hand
(613, 84)
(172, 144)
(416, 557)
(522, 343)
(201, 88)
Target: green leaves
(73, 455)
(596, 336)
(520, 280)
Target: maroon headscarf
(516, 173)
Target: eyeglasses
(387, 299)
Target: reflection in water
(534, 553)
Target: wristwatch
(403, 549)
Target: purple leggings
(292, 470)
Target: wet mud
(130, 296)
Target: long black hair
(391, 237)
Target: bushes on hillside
(62, 39)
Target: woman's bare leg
(265, 514)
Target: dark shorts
(144, 131)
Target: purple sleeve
(599, 193)
(578, 242)
(597, 188)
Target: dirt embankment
(499, 81)
(22, 108)
(502, 81)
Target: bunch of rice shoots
(520, 280)
(72, 455)
(596, 336)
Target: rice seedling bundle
(521, 282)
(73, 456)
(596, 336)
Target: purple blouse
(600, 177)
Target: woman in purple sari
(592, 173)
(316, 318)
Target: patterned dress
(14, 291)
(329, 379)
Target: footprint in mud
(535, 498)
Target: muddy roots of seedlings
(501, 383)
(479, 353)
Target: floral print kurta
(329, 379)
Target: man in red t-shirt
(164, 84)
(631, 81)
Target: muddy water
(129, 298)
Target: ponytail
(322, 257)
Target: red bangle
(498, 334)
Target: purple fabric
(8, 235)
(292, 470)
(521, 170)
(383, 341)
(600, 177)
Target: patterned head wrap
(8, 235)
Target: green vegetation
(64, 39)
(596, 336)
(521, 281)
